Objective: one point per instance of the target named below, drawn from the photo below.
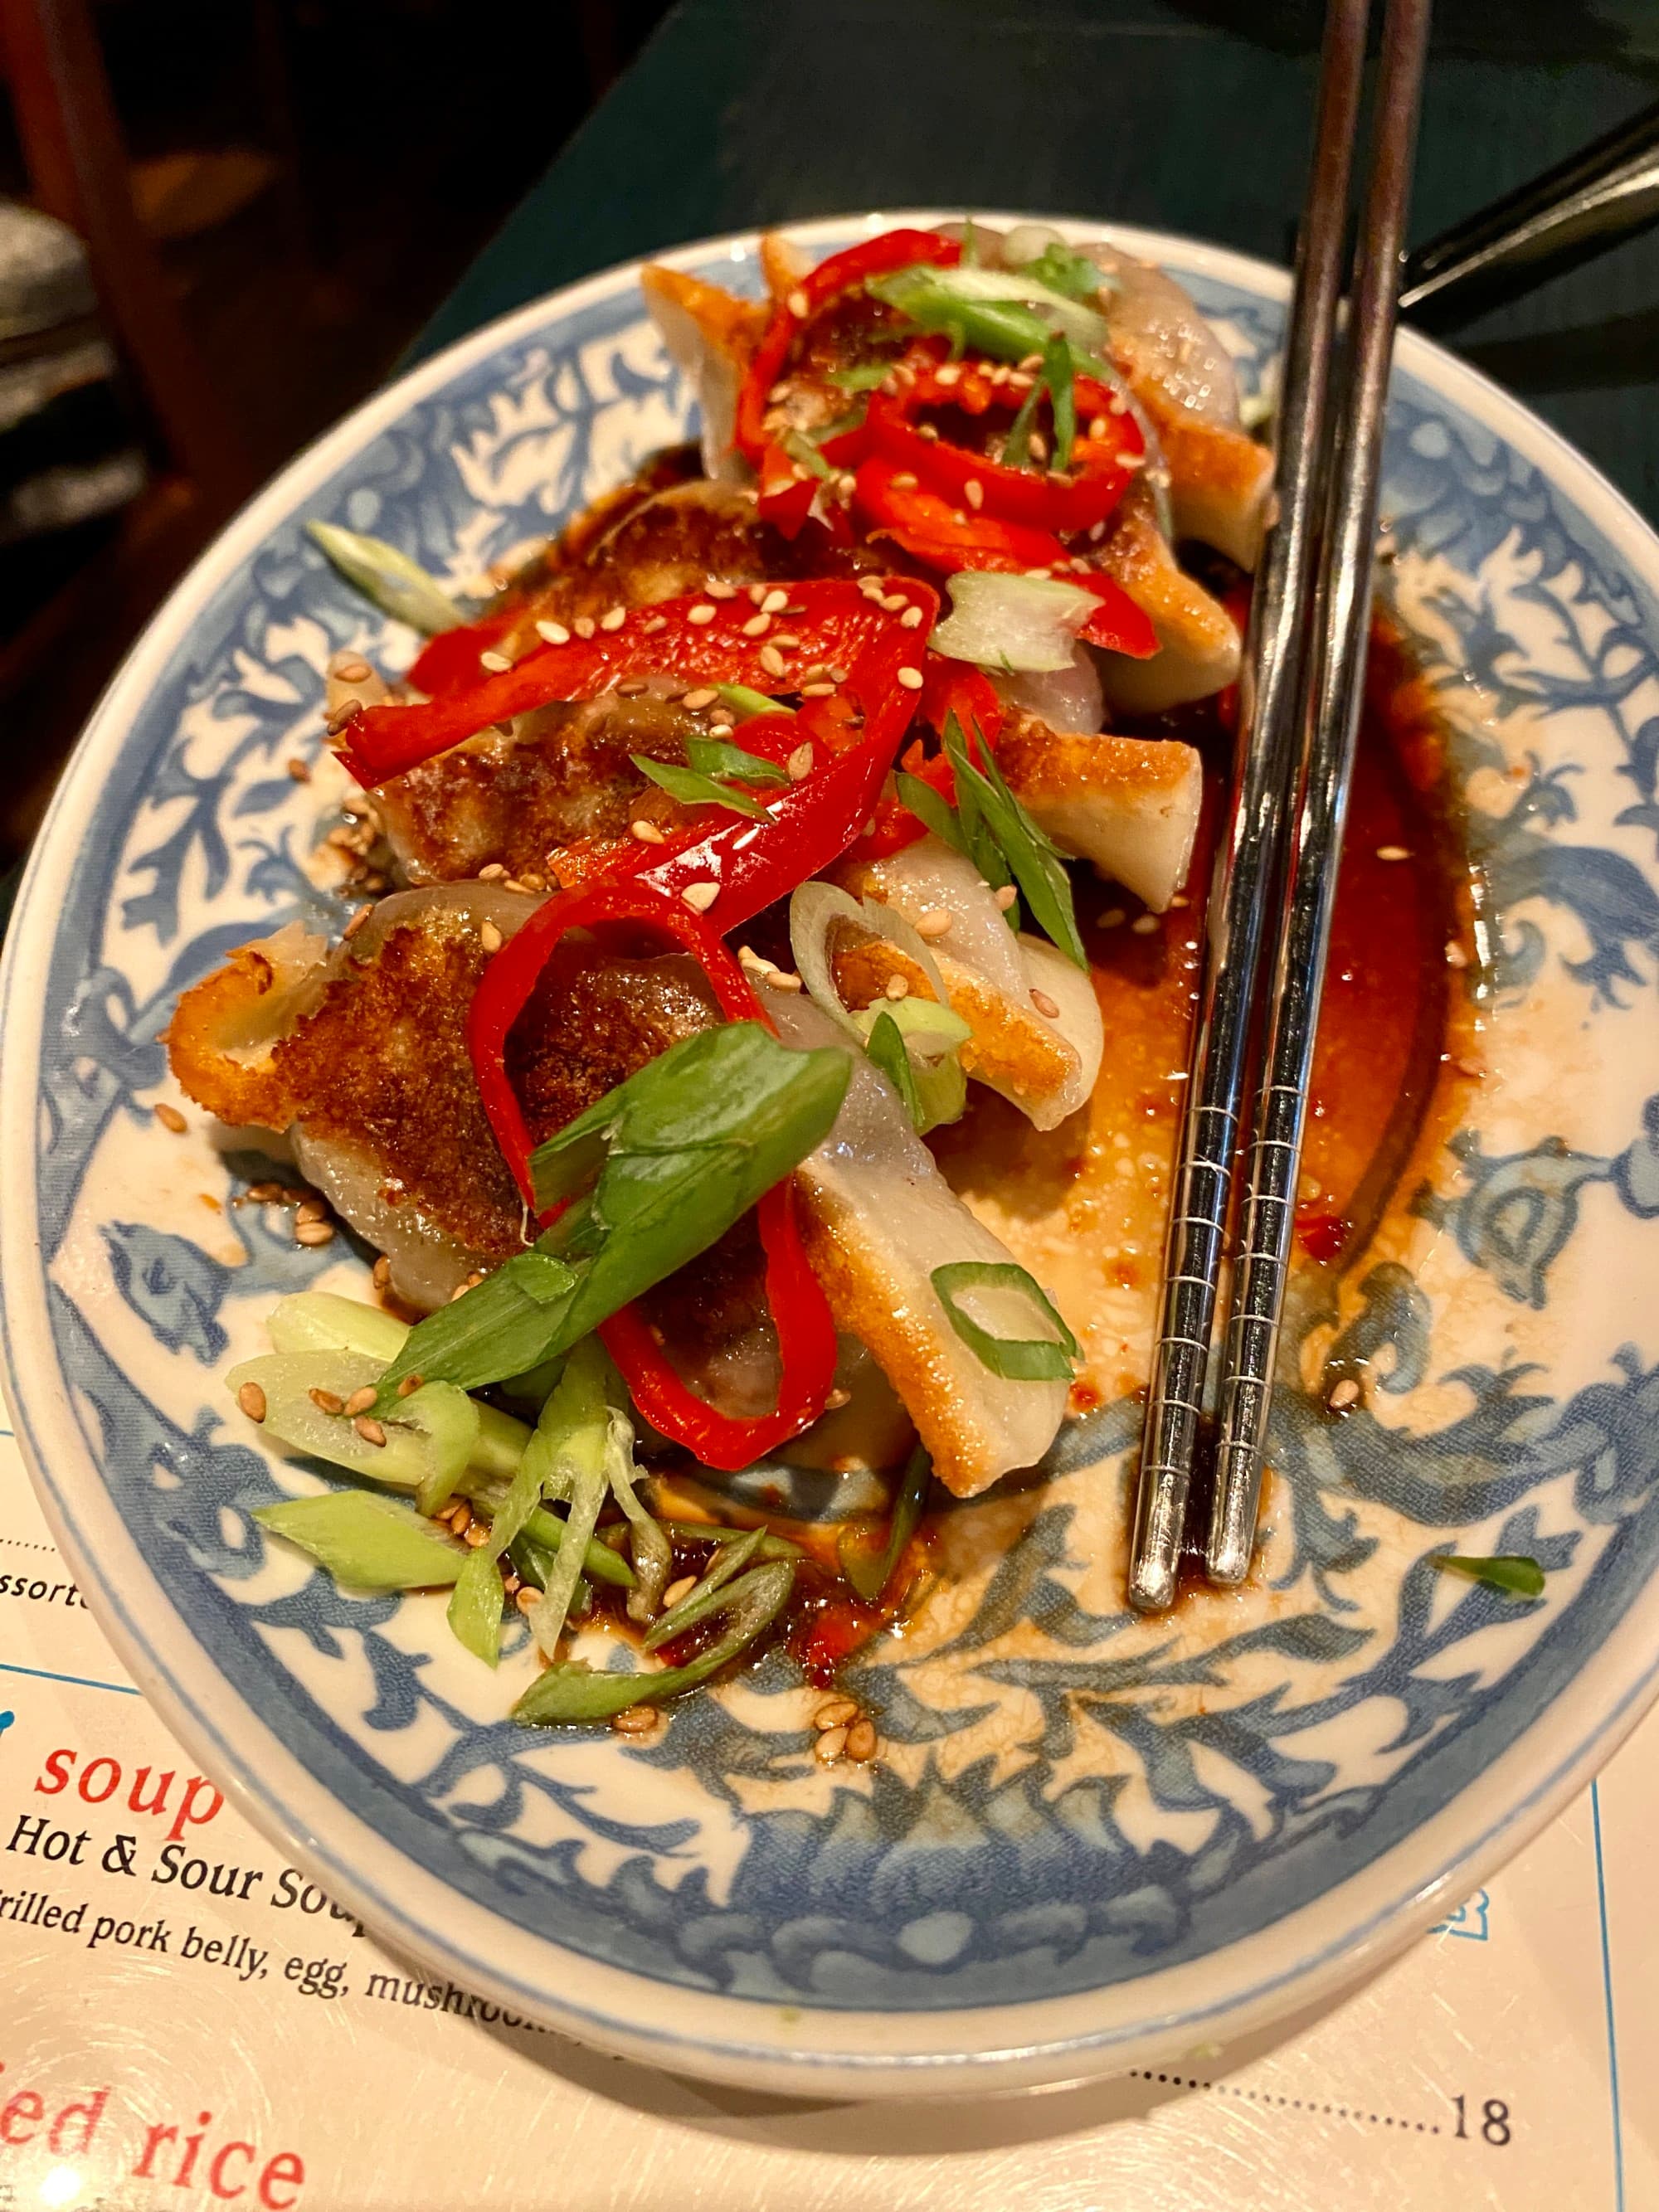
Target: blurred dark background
(274, 199)
(313, 176)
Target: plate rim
(804, 2050)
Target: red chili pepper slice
(1103, 469)
(944, 536)
(800, 1312)
(833, 619)
(956, 687)
(449, 661)
(873, 256)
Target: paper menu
(186, 2022)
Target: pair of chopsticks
(1299, 712)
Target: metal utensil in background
(1608, 191)
(1342, 637)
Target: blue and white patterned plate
(1091, 1839)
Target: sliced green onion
(1017, 446)
(569, 1450)
(1031, 856)
(726, 1564)
(547, 1532)
(319, 1321)
(501, 1327)
(868, 1567)
(407, 1458)
(452, 1425)
(366, 1542)
(802, 451)
(745, 703)
(397, 586)
(1510, 1572)
(924, 1037)
(994, 309)
(771, 1546)
(692, 789)
(653, 1553)
(862, 376)
(1072, 275)
(931, 808)
(475, 1605)
(683, 1148)
(886, 1051)
(1057, 375)
(1016, 1359)
(854, 419)
(574, 1691)
(977, 840)
(1027, 623)
(720, 757)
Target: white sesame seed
(676, 1590)
(312, 1209)
(656, 622)
(696, 700)
(837, 1399)
(911, 679)
(758, 593)
(491, 872)
(495, 661)
(613, 618)
(1394, 852)
(800, 762)
(894, 603)
(299, 770)
(370, 1431)
(783, 640)
(630, 687)
(974, 492)
(526, 1599)
(361, 1400)
(911, 618)
(326, 1401)
(584, 625)
(818, 690)
(251, 1399)
(314, 1232)
(1113, 918)
(779, 391)
(636, 1720)
(871, 587)
(829, 1745)
(775, 601)
(1046, 1005)
(700, 896)
(1007, 897)
(834, 1712)
(1455, 956)
(170, 1118)
(490, 937)
(757, 625)
(771, 660)
(898, 986)
(552, 633)
(701, 613)
(936, 922)
(718, 588)
(798, 304)
(950, 374)
(1144, 925)
(780, 979)
(357, 921)
(1343, 1394)
(382, 1273)
(861, 1740)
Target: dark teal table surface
(1192, 118)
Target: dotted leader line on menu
(1290, 2103)
(22, 1544)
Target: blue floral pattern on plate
(1071, 1803)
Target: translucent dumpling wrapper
(1044, 1064)
(880, 1219)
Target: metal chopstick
(1605, 192)
(1342, 637)
(1248, 858)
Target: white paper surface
(185, 2022)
